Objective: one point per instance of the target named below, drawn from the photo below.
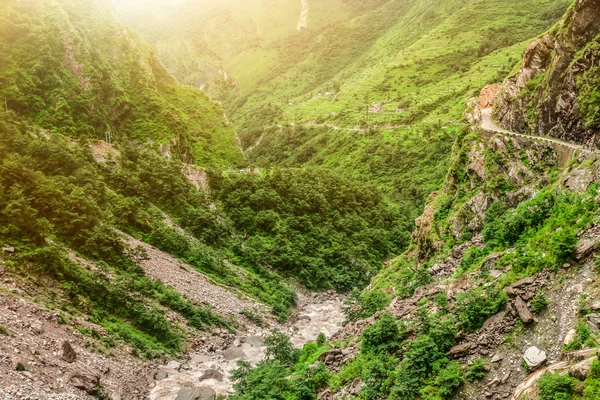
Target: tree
(280, 348)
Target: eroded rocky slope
(555, 91)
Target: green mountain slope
(77, 70)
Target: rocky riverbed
(204, 374)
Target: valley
(299, 200)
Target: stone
(174, 365)
(582, 370)
(85, 380)
(534, 357)
(594, 322)
(37, 327)
(68, 353)
(199, 359)
(570, 337)
(198, 393)
(496, 273)
(595, 306)
(494, 319)
(255, 341)
(497, 358)
(8, 250)
(160, 375)
(523, 282)
(523, 311)
(234, 353)
(460, 350)
(212, 374)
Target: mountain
(77, 70)
(400, 165)
(555, 92)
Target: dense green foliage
(78, 71)
(314, 225)
(270, 378)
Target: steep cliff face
(555, 92)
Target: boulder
(523, 311)
(37, 327)
(234, 353)
(582, 370)
(595, 306)
(534, 357)
(174, 365)
(160, 375)
(594, 322)
(197, 393)
(460, 350)
(68, 353)
(255, 341)
(9, 250)
(570, 337)
(212, 374)
(497, 358)
(85, 380)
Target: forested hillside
(398, 71)
(75, 69)
(192, 206)
(75, 79)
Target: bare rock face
(534, 357)
(487, 95)
(563, 57)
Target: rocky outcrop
(534, 357)
(556, 81)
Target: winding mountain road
(488, 124)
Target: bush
(363, 305)
(321, 339)
(539, 302)
(383, 336)
(477, 305)
(279, 348)
(477, 371)
(21, 367)
(556, 387)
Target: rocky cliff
(555, 92)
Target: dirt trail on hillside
(210, 370)
(488, 124)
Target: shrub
(448, 380)
(539, 302)
(321, 339)
(21, 367)
(363, 305)
(477, 305)
(382, 336)
(477, 371)
(556, 387)
(583, 337)
(279, 348)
